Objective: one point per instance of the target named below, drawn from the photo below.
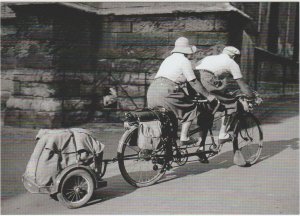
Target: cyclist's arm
(199, 88)
(245, 88)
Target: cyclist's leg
(184, 130)
(205, 122)
(223, 135)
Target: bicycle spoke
(249, 139)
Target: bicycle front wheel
(138, 167)
(248, 138)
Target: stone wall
(52, 67)
(133, 47)
(64, 61)
(8, 59)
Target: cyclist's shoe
(190, 141)
(202, 157)
(222, 141)
(214, 148)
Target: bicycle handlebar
(206, 101)
(256, 101)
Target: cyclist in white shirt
(166, 89)
(214, 71)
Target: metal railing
(261, 55)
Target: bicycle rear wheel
(248, 138)
(138, 167)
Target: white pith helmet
(182, 46)
(231, 51)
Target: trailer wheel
(76, 189)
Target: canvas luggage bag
(153, 125)
(149, 134)
(56, 150)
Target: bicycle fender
(125, 138)
(59, 178)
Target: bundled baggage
(55, 150)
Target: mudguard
(59, 178)
(125, 137)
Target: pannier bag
(154, 126)
(149, 134)
(55, 150)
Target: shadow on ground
(118, 187)
(17, 144)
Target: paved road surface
(220, 187)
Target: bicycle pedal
(168, 167)
(215, 148)
(202, 156)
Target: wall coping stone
(156, 8)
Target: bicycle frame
(233, 118)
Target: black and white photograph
(149, 107)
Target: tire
(248, 138)
(54, 196)
(76, 189)
(138, 167)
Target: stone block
(142, 39)
(36, 89)
(32, 119)
(7, 85)
(87, 77)
(131, 104)
(9, 62)
(109, 40)
(192, 36)
(150, 66)
(116, 27)
(11, 117)
(36, 75)
(145, 26)
(8, 74)
(204, 51)
(158, 26)
(35, 104)
(110, 53)
(139, 52)
(75, 104)
(34, 27)
(8, 30)
(126, 65)
(91, 90)
(132, 78)
(163, 52)
(211, 38)
(104, 65)
(221, 25)
(36, 61)
(200, 38)
(30, 49)
(8, 43)
(132, 91)
(201, 25)
(39, 32)
(149, 78)
(5, 95)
